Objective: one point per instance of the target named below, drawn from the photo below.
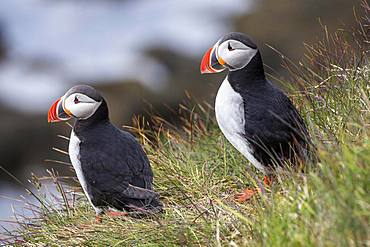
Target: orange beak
(53, 114)
(205, 65)
(211, 63)
(57, 112)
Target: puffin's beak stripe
(211, 63)
(52, 113)
(57, 112)
(205, 66)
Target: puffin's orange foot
(98, 219)
(246, 195)
(267, 181)
(116, 214)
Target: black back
(273, 125)
(111, 160)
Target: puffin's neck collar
(100, 116)
(253, 72)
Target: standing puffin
(110, 164)
(255, 116)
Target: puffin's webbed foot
(246, 194)
(249, 193)
(110, 213)
(116, 214)
(267, 180)
(98, 219)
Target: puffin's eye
(229, 47)
(76, 100)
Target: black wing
(116, 169)
(274, 127)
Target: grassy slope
(197, 172)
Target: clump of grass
(197, 172)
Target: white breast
(74, 155)
(229, 107)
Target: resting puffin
(110, 164)
(255, 116)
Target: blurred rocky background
(138, 53)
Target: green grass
(197, 172)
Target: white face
(235, 53)
(80, 105)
